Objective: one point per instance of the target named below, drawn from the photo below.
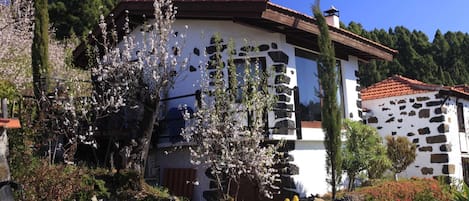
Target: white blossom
(224, 141)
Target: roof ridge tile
(396, 85)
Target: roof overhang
(299, 29)
(454, 93)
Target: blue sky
(423, 15)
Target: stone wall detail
(283, 122)
(287, 186)
(359, 100)
(423, 119)
(286, 170)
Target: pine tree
(441, 61)
(331, 115)
(39, 48)
(77, 16)
(357, 157)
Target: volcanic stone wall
(428, 120)
(281, 119)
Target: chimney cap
(332, 11)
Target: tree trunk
(351, 182)
(333, 182)
(150, 114)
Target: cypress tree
(39, 48)
(331, 115)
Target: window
(461, 125)
(252, 63)
(465, 170)
(240, 72)
(171, 126)
(340, 90)
(308, 105)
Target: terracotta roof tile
(397, 86)
(10, 123)
(311, 124)
(460, 91)
(461, 88)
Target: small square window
(252, 63)
(241, 65)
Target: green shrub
(43, 181)
(401, 152)
(425, 195)
(97, 186)
(461, 193)
(7, 90)
(127, 185)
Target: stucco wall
(310, 157)
(351, 88)
(430, 121)
(280, 62)
(309, 153)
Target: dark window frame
(264, 78)
(241, 61)
(340, 90)
(460, 115)
(313, 57)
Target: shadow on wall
(301, 190)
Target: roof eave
(455, 93)
(299, 28)
(364, 48)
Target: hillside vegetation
(441, 61)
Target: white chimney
(332, 17)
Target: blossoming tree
(229, 127)
(16, 39)
(137, 74)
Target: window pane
(240, 71)
(340, 90)
(252, 64)
(460, 113)
(308, 86)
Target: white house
(287, 47)
(433, 117)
